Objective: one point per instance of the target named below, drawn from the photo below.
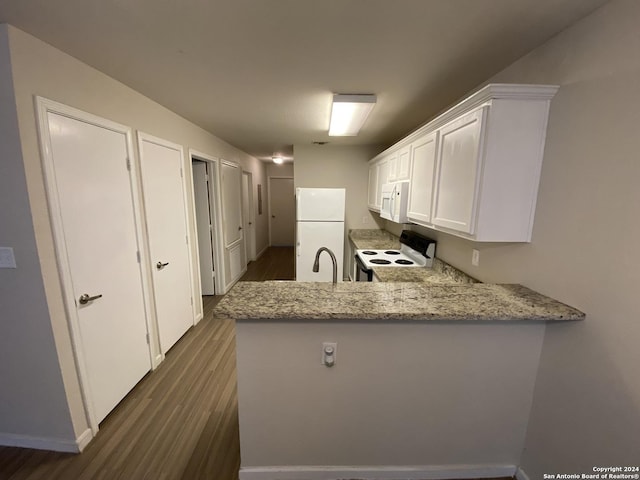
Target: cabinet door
(383, 177)
(458, 169)
(392, 161)
(403, 168)
(423, 162)
(373, 186)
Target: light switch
(7, 260)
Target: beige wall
(32, 395)
(436, 395)
(324, 166)
(586, 409)
(39, 69)
(282, 170)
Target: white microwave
(394, 201)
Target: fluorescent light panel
(348, 114)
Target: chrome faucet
(316, 264)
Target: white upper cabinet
(403, 164)
(378, 175)
(475, 169)
(373, 186)
(392, 166)
(456, 185)
(423, 163)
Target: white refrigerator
(319, 223)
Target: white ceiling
(260, 73)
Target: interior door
(248, 216)
(162, 182)
(204, 227)
(94, 197)
(231, 203)
(282, 206)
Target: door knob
(161, 265)
(85, 298)
(273, 216)
(239, 228)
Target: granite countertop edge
(400, 302)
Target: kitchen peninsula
(429, 381)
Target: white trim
(422, 472)
(83, 439)
(43, 107)
(261, 252)
(214, 163)
(521, 475)
(53, 444)
(269, 203)
(250, 256)
(481, 97)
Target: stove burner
(392, 252)
(380, 261)
(402, 261)
(368, 252)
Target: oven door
(363, 274)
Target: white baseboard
(261, 252)
(198, 318)
(84, 439)
(39, 443)
(425, 472)
(521, 475)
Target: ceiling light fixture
(348, 114)
(277, 159)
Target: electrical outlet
(475, 257)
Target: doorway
(282, 210)
(206, 189)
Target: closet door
(91, 191)
(165, 207)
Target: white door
(458, 170)
(423, 161)
(231, 203)
(282, 208)
(90, 190)
(204, 227)
(248, 217)
(162, 183)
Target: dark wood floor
(277, 263)
(179, 423)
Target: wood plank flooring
(179, 423)
(277, 263)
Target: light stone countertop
(441, 272)
(282, 300)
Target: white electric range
(415, 251)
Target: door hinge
(138, 255)
(128, 164)
(186, 239)
(181, 173)
(191, 300)
(148, 339)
